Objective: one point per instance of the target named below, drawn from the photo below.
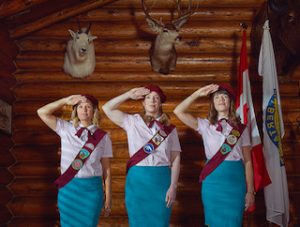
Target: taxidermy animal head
(80, 53)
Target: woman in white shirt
(227, 178)
(85, 154)
(154, 150)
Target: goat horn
(87, 31)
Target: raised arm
(180, 110)
(46, 113)
(111, 108)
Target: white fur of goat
(80, 55)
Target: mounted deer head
(163, 54)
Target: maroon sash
(80, 158)
(222, 153)
(150, 146)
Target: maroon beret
(92, 99)
(228, 89)
(158, 90)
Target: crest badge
(148, 148)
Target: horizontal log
(5, 195)
(33, 206)
(109, 90)
(203, 3)
(125, 30)
(208, 76)
(5, 176)
(35, 169)
(137, 14)
(36, 153)
(138, 63)
(109, 47)
(39, 187)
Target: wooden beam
(11, 7)
(58, 16)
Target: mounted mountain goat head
(284, 20)
(80, 54)
(163, 54)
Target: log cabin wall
(208, 53)
(8, 51)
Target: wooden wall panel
(208, 53)
(8, 52)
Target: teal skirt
(145, 193)
(80, 202)
(223, 195)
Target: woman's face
(221, 102)
(152, 104)
(85, 111)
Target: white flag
(276, 194)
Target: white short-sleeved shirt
(213, 139)
(71, 144)
(138, 134)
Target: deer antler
(146, 11)
(184, 16)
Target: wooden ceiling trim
(12, 7)
(58, 16)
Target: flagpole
(244, 27)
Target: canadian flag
(244, 108)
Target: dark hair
(213, 114)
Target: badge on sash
(157, 139)
(77, 164)
(225, 149)
(83, 154)
(90, 146)
(148, 148)
(231, 139)
(235, 133)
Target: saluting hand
(75, 99)
(138, 93)
(207, 90)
